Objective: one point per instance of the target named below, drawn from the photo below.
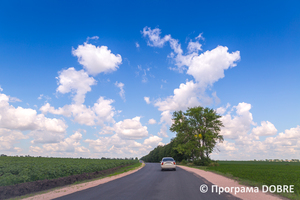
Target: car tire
(174, 169)
(162, 169)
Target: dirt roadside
(222, 181)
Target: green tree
(198, 131)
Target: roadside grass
(119, 171)
(258, 173)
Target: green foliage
(197, 132)
(15, 170)
(159, 152)
(205, 161)
(183, 162)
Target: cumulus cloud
(152, 121)
(101, 112)
(97, 59)
(70, 144)
(122, 92)
(153, 141)
(239, 124)
(26, 119)
(77, 82)
(8, 138)
(41, 128)
(131, 129)
(266, 129)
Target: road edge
(81, 186)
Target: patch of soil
(20, 189)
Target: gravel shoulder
(78, 187)
(222, 181)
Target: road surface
(151, 183)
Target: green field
(263, 173)
(15, 170)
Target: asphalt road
(151, 183)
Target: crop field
(263, 173)
(15, 170)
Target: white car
(168, 163)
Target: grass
(258, 173)
(119, 171)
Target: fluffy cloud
(77, 82)
(42, 129)
(101, 112)
(70, 144)
(122, 92)
(115, 145)
(26, 119)
(244, 142)
(131, 129)
(238, 125)
(153, 141)
(209, 66)
(97, 59)
(152, 121)
(8, 138)
(266, 129)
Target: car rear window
(168, 159)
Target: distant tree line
(197, 133)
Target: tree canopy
(197, 133)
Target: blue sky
(84, 78)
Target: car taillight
(174, 163)
(162, 163)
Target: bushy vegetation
(197, 132)
(265, 173)
(15, 170)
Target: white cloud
(154, 37)
(122, 92)
(194, 47)
(147, 99)
(152, 121)
(137, 45)
(1, 89)
(266, 128)
(70, 144)
(14, 99)
(152, 141)
(26, 119)
(8, 138)
(209, 66)
(101, 112)
(187, 95)
(238, 125)
(42, 129)
(97, 59)
(77, 82)
(222, 110)
(131, 129)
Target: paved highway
(151, 183)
